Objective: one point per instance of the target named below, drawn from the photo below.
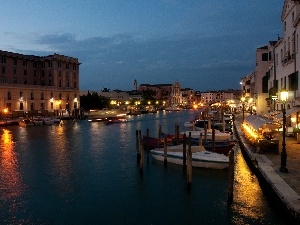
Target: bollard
(231, 178)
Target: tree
(93, 101)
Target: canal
(86, 173)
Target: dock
(286, 186)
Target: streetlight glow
(283, 98)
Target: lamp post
(284, 97)
(243, 104)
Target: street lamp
(284, 97)
(243, 104)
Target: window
(60, 96)
(3, 60)
(15, 80)
(43, 73)
(42, 96)
(67, 66)
(25, 81)
(21, 106)
(75, 84)
(15, 62)
(264, 57)
(34, 65)
(3, 79)
(15, 71)
(31, 96)
(74, 67)
(51, 105)
(24, 63)
(67, 96)
(34, 73)
(59, 83)
(42, 106)
(8, 95)
(50, 73)
(49, 64)
(3, 69)
(58, 64)
(31, 106)
(25, 72)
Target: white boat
(48, 121)
(37, 121)
(200, 157)
(173, 108)
(56, 119)
(189, 124)
(219, 136)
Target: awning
(289, 112)
(257, 121)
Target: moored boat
(200, 157)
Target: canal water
(86, 173)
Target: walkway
(286, 185)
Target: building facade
(32, 85)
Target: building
(35, 85)
(277, 68)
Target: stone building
(35, 85)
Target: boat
(173, 108)
(37, 121)
(200, 157)
(25, 123)
(56, 120)
(48, 121)
(188, 124)
(115, 119)
(219, 136)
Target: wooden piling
(142, 155)
(213, 134)
(184, 151)
(147, 141)
(231, 178)
(159, 136)
(189, 163)
(205, 133)
(200, 139)
(177, 134)
(165, 152)
(138, 156)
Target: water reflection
(11, 185)
(249, 200)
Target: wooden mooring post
(159, 136)
(200, 139)
(165, 152)
(177, 134)
(184, 151)
(141, 150)
(137, 143)
(231, 178)
(147, 143)
(189, 164)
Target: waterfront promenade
(285, 185)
